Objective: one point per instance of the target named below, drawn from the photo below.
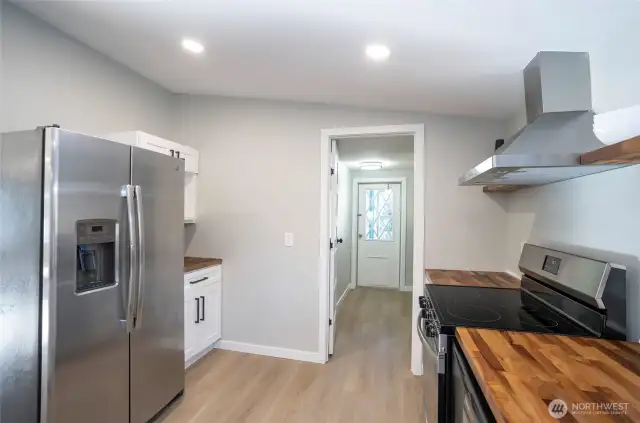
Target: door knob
(339, 240)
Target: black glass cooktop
(496, 308)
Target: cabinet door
(191, 325)
(210, 314)
(190, 196)
(190, 157)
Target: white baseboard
(313, 357)
(201, 354)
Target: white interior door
(379, 235)
(333, 225)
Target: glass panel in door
(379, 214)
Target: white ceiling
(447, 56)
(395, 152)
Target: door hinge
(330, 322)
(332, 171)
(330, 244)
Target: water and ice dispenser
(97, 261)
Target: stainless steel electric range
(560, 293)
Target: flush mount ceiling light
(192, 46)
(378, 52)
(370, 165)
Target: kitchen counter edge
(191, 264)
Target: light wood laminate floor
(368, 379)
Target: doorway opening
(374, 220)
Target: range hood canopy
(559, 128)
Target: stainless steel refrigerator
(91, 292)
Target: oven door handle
(421, 334)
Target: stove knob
(422, 301)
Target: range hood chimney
(559, 128)
(556, 82)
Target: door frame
(403, 226)
(417, 131)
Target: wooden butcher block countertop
(472, 278)
(521, 373)
(196, 263)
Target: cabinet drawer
(203, 276)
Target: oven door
(469, 405)
(433, 374)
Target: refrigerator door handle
(141, 257)
(129, 193)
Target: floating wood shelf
(624, 152)
(502, 188)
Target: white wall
(343, 256)
(260, 177)
(47, 77)
(399, 173)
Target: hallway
(367, 380)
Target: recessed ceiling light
(378, 52)
(192, 46)
(370, 165)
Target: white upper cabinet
(190, 157)
(160, 145)
(157, 144)
(173, 149)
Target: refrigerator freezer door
(90, 380)
(21, 163)
(157, 340)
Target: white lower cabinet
(202, 312)
(190, 328)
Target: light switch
(288, 239)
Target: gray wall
(407, 173)
(47, 77)
(260, 177)
(596, 215)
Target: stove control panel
(551, 264)
(432, 325)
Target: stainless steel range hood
(560, 127)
